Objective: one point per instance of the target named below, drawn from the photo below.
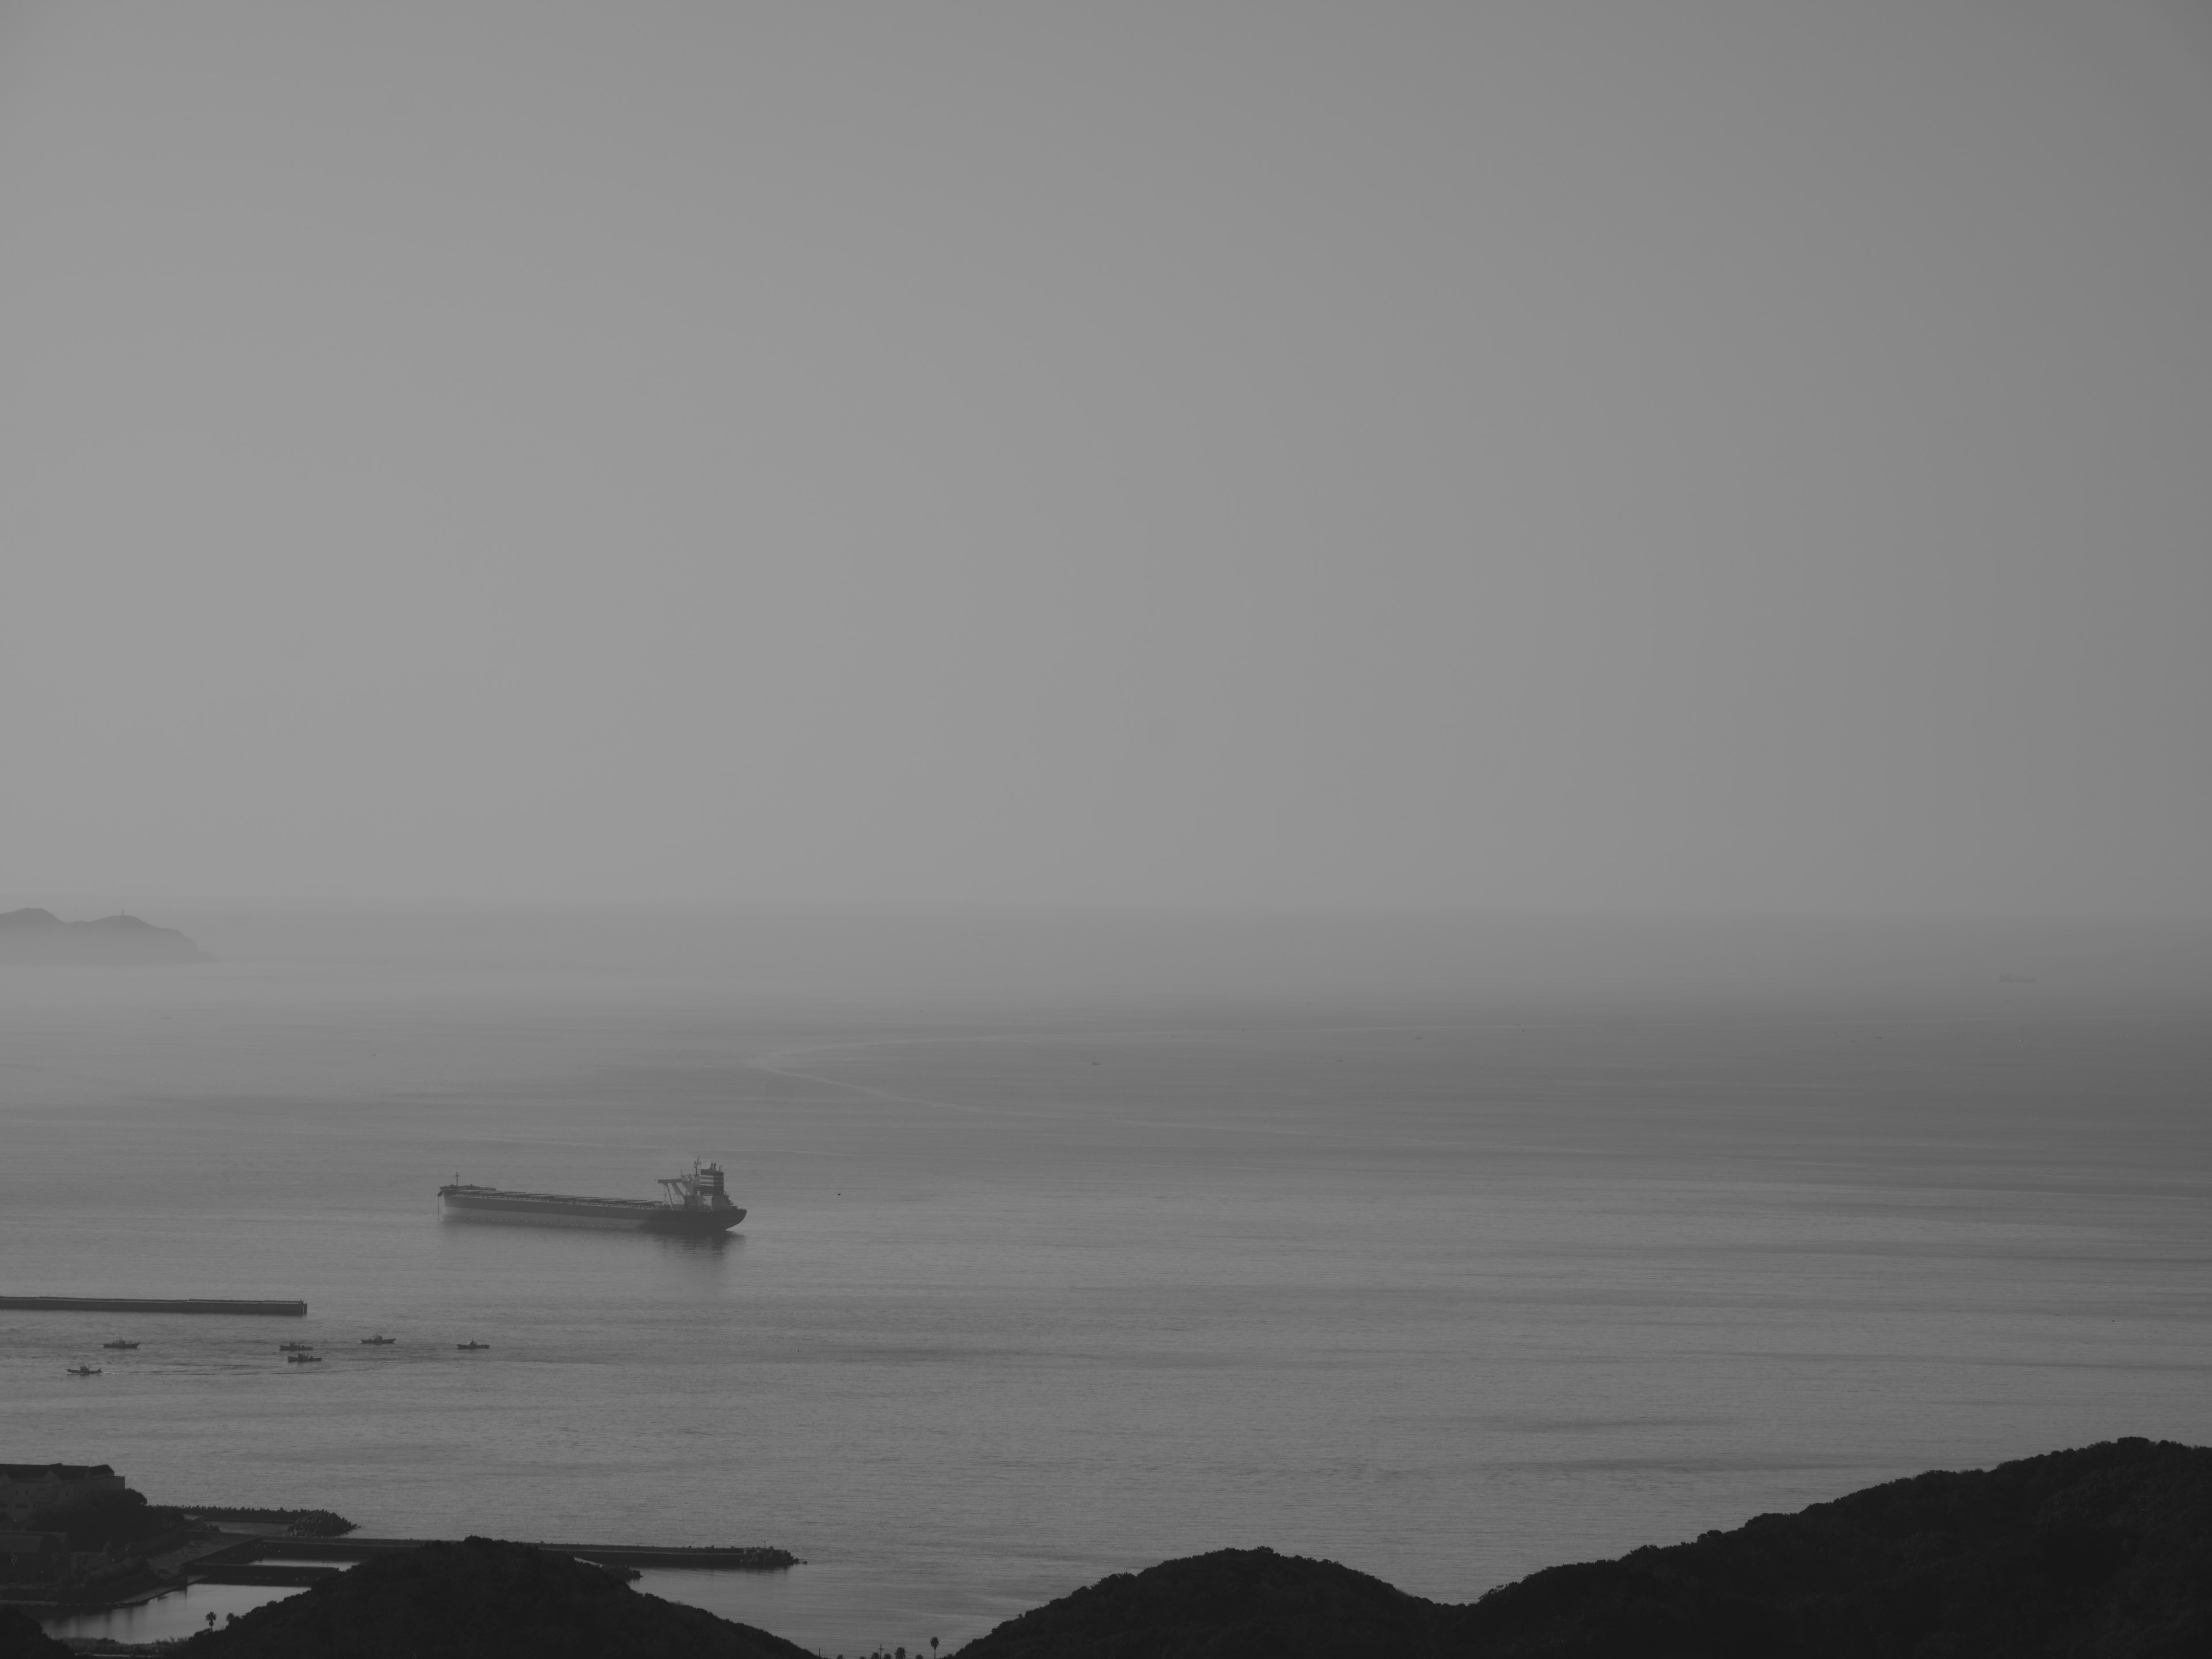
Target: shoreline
(234, 1554)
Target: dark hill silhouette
(2104, 1552)
(29, 935)
(22, 1638)
(106, 1521)
(1228, 1605)
(482, 1599)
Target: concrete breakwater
(749, 1559)
(224, 1557)
(195, 1304)
(254, 1572)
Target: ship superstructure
(695, 1201)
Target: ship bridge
(699, 1187)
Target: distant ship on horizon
(693, 1202)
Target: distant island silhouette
(30, 935)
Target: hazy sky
(1667, 455)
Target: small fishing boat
(378, 1342)
(303, 1359)
(471, 1347)
(118, 1343)
(84, 1370)
(295, 1347)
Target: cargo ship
(693, 1202)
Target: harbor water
(1077, 1246)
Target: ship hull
(604, 1214)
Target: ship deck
(467, 1193)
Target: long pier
(750, 1558)
(228, 1559)
(195, 1304)
(248, 1573)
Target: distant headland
(29, 935)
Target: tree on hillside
(106, 1520)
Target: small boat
(118, 1343)
(84, 1370)
(471, 1347)
(295, 1347)
(303, 1359)
(378, 1342)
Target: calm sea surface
(1447, 1276)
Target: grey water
(1446, 1250)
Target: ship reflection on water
(466, 1231)
(587, 1261)
(709, 1246)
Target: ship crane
(699, 1187)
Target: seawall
(750, 1558)
(149, 1304)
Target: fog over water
(1449, 1252)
